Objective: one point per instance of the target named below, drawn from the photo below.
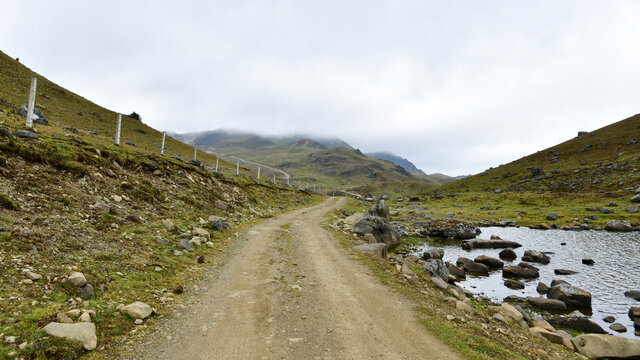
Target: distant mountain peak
(398, 160)
(308, 143)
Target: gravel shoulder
(291, 292)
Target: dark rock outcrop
(489, 244)
(377, 227)
(508, 255)
(576, 321)
(535, 256)
(37, 118)
(519, 272)
(547, 304)
(451, 229)
(489, 261)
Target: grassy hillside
(76, 202)
(607, 159)
(63, 108)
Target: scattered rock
(547, 304)
(437, 267)
(513, 284)
(185, 244)
(377, 249)
(26, 134)
(464, 307)
(5, 132)
(435, 253)
(609, 319)
(634, 315)
(635, 198)
(535, 256)
(380, 209)
(553, 216)
(138, 310)
(634, 294)
(508, 255)
(489, 244)
(576, 321)
(489, 261)
(200, 232)
(63, 318)
(77, 279)
(597, 346)
(85, 317)
(86, 291)
(37, 117)
(618, 327)
(633, 209)
(379, 229)
(456, 271)
(570, 295)
(550, 336)
(437, 281)
(618, 225)
(542, 288)
(519, 272)
(33, 276)
(85, 332)
(476, 268)
(453, 229)
(564, 272)
(168, 224)
(588, 261)
(369, 238)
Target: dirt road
(291, 292)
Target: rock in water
(634, 315)
(513, 284)
(634, 294)
(570, 295)
(576, 321)
(542, 288)
(519, 272)
(489, 261)
(564, 272)
(588, 262)
(85, 332)
(547, 304)
(597, 346)
(476, 268)
(535, 256)
(436, 253)
(508, 254)
(377, 249)
(451, 229)
(489, 244)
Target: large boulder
(489, 244)
(37, 117)
(380, 209)
(351, 220)
(437, 267)
(570, 295)
(519, 272)
(453, 229)
(489, 261)
(597, 346)
(377, 249)
(85, 332)
(618, 225)
(456, 271)
(576, 321)
(535, 256)
(377, 227)
(549, 335)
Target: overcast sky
(454, 86)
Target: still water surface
(616, 269)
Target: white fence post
(288, 183)
(118, 125)
(258, 173)
(237, 168)
(274, 178)
(162, 144)
(216, 164)
(32, 102)
(195, 154)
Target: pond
(616, 268)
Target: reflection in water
(616, 268)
